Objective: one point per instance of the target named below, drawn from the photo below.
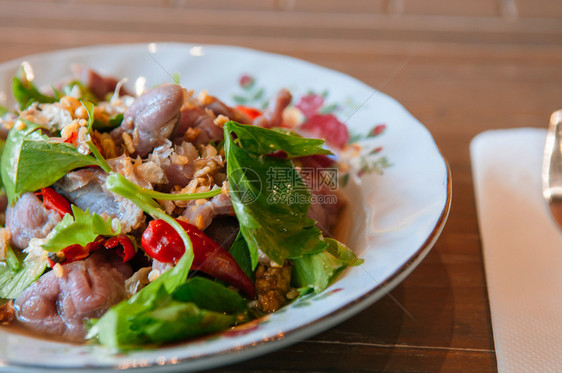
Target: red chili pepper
(72, 137)
(249, 111)
(76, 252)
(163, 243)
(54, 201)
(122, 245)
(126, 250)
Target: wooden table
(461, 67)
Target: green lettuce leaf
(264, 141)
(12, 260)
(113, 122)
(13, 283)
(343, 253)
(273, 219)
(173, 321)
(241, 253)
(26, 93)
(198, 290)
(31, 162)
(81, 229)
(10, 158)
(41, 163)
(85, 92)
(316, 271)
(200, 306)
(3, 110)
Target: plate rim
(347, 310)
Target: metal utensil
(552, 167)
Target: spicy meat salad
(157, 217)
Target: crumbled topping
(154, 274)
(128, 141)
(5, 237)
(204, 98)
(104, 139)
(191, 134)
(221, 120)
(58, 270)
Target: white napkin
(522, 250)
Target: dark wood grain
(471, 66)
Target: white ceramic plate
(399, 192)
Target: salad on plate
(135, 219)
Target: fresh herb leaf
(32, 161)
(93, 148)
(342, 252)
(41, 163)
(116, 120)
(272, 217)
(10, 158)
(81, 229)
(112, 123)
(26, 93)
(12, 260)
(13, 283)
(314, 272)
(162, 314)
(210, 295)
(264, 141)
(175, 320)
(3, 110)
(85, 92)
(241, 253)
(57, 94)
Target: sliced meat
(28, 219)
(202, 125)
(199, 117)
(85, 189)
(178, 174)
(124, 165)
(59, 305)
(99, 85)
(272, 286)
(220, 108)
(202, 215)
(152, 118)
(273, 117)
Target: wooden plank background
(469, 66)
